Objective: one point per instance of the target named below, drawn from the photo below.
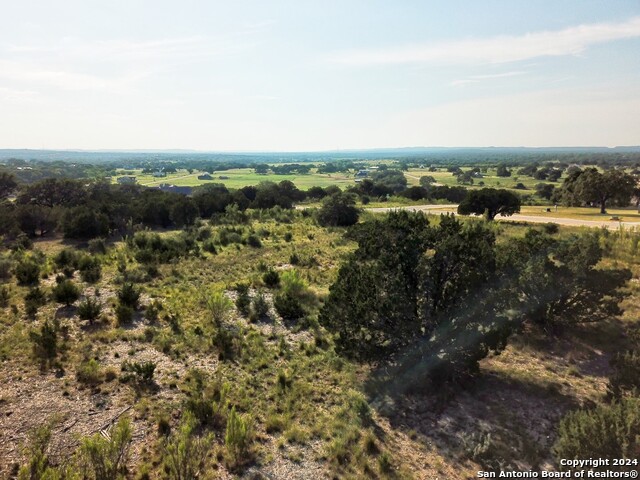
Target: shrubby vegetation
(278, 313)
(437, 299)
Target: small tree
(28, 272)
(129, 295)
(66, 292)
(503, 171)
(89, 309)
(45, 341)
(219, 306)
(489, 202)
(338, 210)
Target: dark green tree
(338, 210)
(489, 202)
(614, 186)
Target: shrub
(66, 258)
(90, 269)
(45, 341)
(237, 438)
(5, 269)
(152, 312)
(28, 272)
(288, 306)
(89, 373)
(37, 466)
(184, 452)
(288, 237)
(124, 314)
(89, 309)
(105, 459)
(338, 210)
(259, 307)
(129, 296)
(626, 374)
(243, 301)
(5, 295)
(271, 278)
(254, 241)
(33, 300)
(218, 305)
(607, 431)
(142, 372)
(209, 246)
(66, 292)
(98, 245)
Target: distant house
(477, 175)
(205, 176)
(159, 174)
(167, 187)
(126, 180)
(362, 174)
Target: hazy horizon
(283, 76)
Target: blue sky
(302, 75)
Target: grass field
(241, 177)
(489, 178)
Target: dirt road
(436, 209)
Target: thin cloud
(499, 49)
(480, 78)
(67, 80)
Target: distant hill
(436, 154)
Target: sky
(298, 75)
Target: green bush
(45, 341)
(219, 306)
(184, 452)
(254, 241)
(5, 295)
(129, 296)
(33, 300)
(626, 374)
(209, 246)
(66, 292)
(89, 373)
(28, 272)
(141, 372)
(66, 258)
(124, 314)
(237, 438)
(259, 307)
(243, 300)
(98, 245)
(89, 309)
(90, 269)
(607, 431)
(288, 306)
(105, 459)
(271, 278)
(5, 269)
(37, 465)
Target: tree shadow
(496, 421)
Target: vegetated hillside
(260, 344)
